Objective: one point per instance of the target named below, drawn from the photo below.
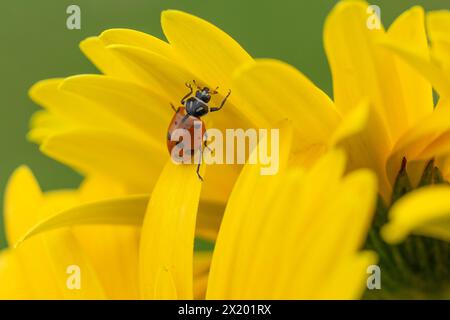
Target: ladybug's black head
(204, 94)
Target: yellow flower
(38, 268)
(112, 128)
(114, 125)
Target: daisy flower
(111, 127)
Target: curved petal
(113, 252)
(277, 91)
(13, 279)
(352, 124)
(21, 215)
(408, 30)
(209, 51)
(438, 26)
(128, 210)
(44, 262)
(127, 159)
(438, 23)
(167, 241)
(155, 71)
(134, 38)
(425, 211)
(73, 108)
(108, 63)
(359, 68)
(44, 124)
(273, 238)
(138, 107)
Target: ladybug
(187, 117)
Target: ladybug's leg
(183, 100)
(199, 164)
(173, 107)
(205, 143)
(206, 146)
(213, 109)
(198, 171)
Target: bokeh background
(35, 44)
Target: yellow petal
(161, 74)
(361, 69)
(125, 158)
(108, 63)
(44, 124)
(423, 212)
(44, 261)
(438, 26)
(167, 242)
(369, 148)
(128, 210)
(12, 277)
(438, 23)
(423, 65)
(134, 38)
(206, 49)
(41, 269)
(353, 204)
(72, 108)
(352, 124)
(277, 91)
(232, 251)
(138, 107)
(23, 197)
(350, 274)
(283, 230)
(113, 253)
(97, 188)
(50, 262)
(408, 30)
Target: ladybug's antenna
(215, 90)
(195, 84)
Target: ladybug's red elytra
(188, 116)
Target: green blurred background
(36, 45)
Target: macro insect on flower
(187, 123)
(314, 227)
